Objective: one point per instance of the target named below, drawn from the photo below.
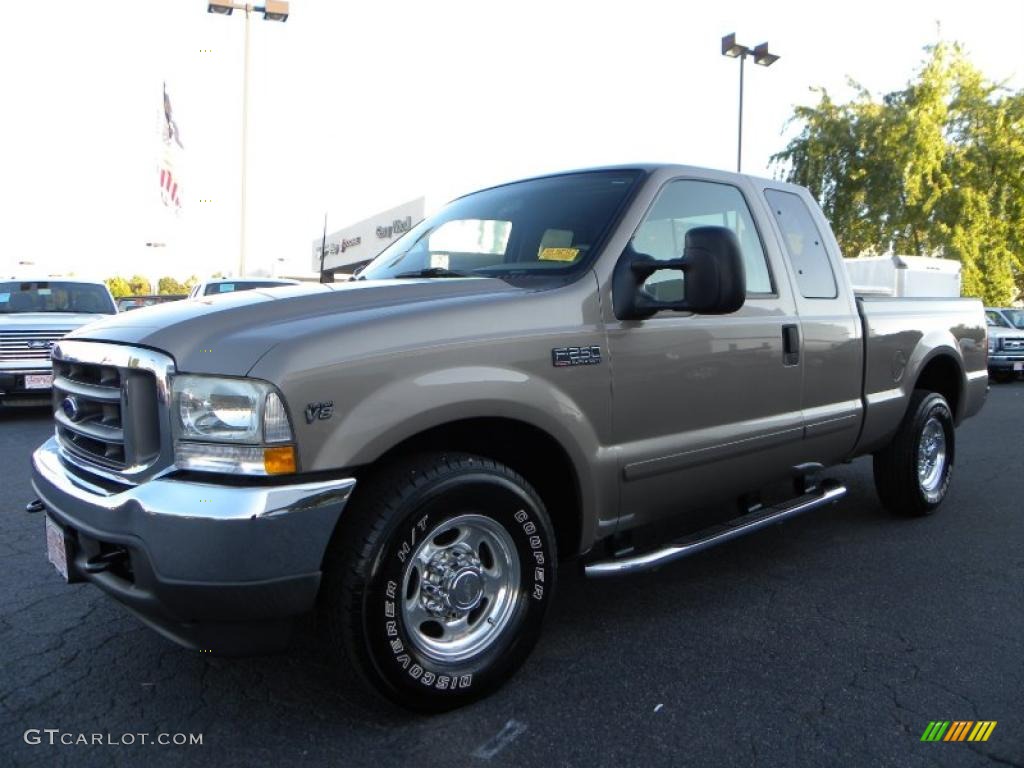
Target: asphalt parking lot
(831, 640)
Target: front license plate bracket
(58, 548)
(38, 381)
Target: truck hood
(997, 331)
(228, 333)
(29, 321)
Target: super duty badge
(562, 357)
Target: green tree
(935, 169)
(191, 283)
(171, 286)
(140, 286)
(118, 286)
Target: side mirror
(715, 282)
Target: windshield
(239, 285)
(1015, 316)
(543, 226)
(55, 296)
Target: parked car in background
(558, 368)
(33, 315)
(230, 285)
(1005, 343)
(126, 303)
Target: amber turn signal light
(279, 461)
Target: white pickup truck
(33, 315)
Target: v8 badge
(319, 411)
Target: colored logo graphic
(958, 730)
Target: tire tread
(894, 482)
(351, 553)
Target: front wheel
(912, 473)
(438, 580)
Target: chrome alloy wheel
(460, 587)
(931, 455)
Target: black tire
(1002, 377)
(375, 563)
(898, 483)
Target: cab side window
(804, 244)
(683, 205)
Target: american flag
(170, 184)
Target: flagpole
(245, 143)
(272, 10)
(323, 249)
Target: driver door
(704, 406)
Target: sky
(358, 106)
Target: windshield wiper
(432, 272)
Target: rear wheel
(1003, 377)
(912, 473)
(438, 580)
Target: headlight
(993, 343)
(231, 425)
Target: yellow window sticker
(558, 254)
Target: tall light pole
(761, 56)
(272, 10)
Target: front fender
(406, 407)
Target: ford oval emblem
(70, 407)
(40, 344)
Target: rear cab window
(803, 242)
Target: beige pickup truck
(550, 371)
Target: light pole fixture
(734, 50)
(272, 10)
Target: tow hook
(36, 505)
(101, 562)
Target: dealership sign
(396, 228)
(361, 242)
(334, 249)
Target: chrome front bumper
(12, 381)
(197, 552)
(1004, 362)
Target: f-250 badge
(320, 411)
(562, 357)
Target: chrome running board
(828, 492)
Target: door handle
(790, 345)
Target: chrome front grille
(88, 406)
(110, 408)
(29, 345)
(1013, 345)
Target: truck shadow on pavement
(745, 577)
(846, 612)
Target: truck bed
(902, 337)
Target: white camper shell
(921, 276)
